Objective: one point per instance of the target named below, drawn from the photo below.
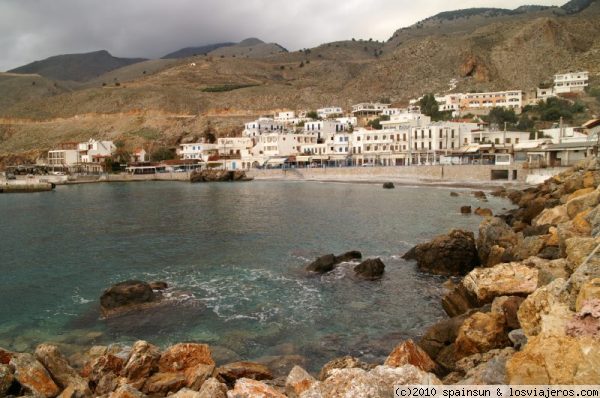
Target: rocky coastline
(523, 306)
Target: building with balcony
(571, 82)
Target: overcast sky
(36, 29)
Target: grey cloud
(36, 29)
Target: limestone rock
(581, 203)
(186, 393)
(458, 300)
(231, 372)
(371, 268)
(182, 356)
(213, 388)
(582, 275)
(494, 232)
(518, 338)
(298, 381)
(490, 370)
(556, 360)
(552, 216)
(142, 362)
(6, 379)
(508, 307)
(164, 383)
(589, 291)
(501, 280)
(126, 391)
(465, 210)
(32, 375)
(250, 388)
(281, 365)
(578, 249)
(60, 370)
(484, 212)
(587, 321)
(451, 254)
(197, 375)
(545, 309)
(480, 333)
(346, 362)
(441, 335)
(530, 246)
(408, 352)
(5, 356)
(103, 366)
(549, 270)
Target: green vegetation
(312, 115)
(376, 123)
(226, 87)
(595, 92)
(500, 116)
(430, 107)
(553, 109)
(162, 153)
(147, 133)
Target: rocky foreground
(526, 311)
(210, 175)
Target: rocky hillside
(193, 51)
(179, 99)
(77, 67)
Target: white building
(95, 151)
(198, 151)
(571, 82)
(369, 108)
(405, 119)
(63, 157)
(262, 125)
(234, 147)
(285, 117)
(330, 111)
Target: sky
(36, 29)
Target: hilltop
(193, 51)
(76, 67)
(171, 101)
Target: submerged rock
(372, 268)
(451, 254)
(388, 185)
(126, 295)
(328, 262)
(348, 256)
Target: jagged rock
(60, 370)
(196, 376)
(32, 375)
(581, 203)
(104, 365)
(126, 391)
(587, 321)
(126, 294)
(486, 369)
(578, 249)
(501, 280)
(579, 193)
(158, 285)
(298, 381)
(545, 309)
(508, 307)
(518, 338)
(377, 383)
(529, 246)
(371, 268)
(281, 365)
(218, 176)
(6, 379)
(186, 393)
(589, 291)
(231, 372)
(323, 264)
(250, 388)
(480, 333)
(534, 230)
(484, 212)
(582, 275)
(494, 232)
(408, 352)
(5, 356)
(142, 362)
(451, 254)
(441, 335)
(213, 388)
(346, 362)
(182, 356)
(458, 300)
(555, 360)
(164, 383)
(348, 256)
(388, 185)
(549, 270)
(465, 210)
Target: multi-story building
(234, 147)
(571, 82)
(200, 151)
(95, 151)
(262, 125)
(329, 111)
(366, 109)
(405, 119)
(485, 101)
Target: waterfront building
(571, 82)
(139, 155)
(94, 151)
(198, 151)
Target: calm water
(238, 249)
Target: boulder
(485, 369)
(163, 383)
(408, 352)
(250, 388)
(346, 362)
(484, 212)
(479, 194)
(348, 256)
(231, 372)
(529, 246)
(534, 230)
(458, 300)
(378, 382)
(323, 264)
(298, 381)
(451, 254)
(507, 279)
(518, 338)
(578, 249)
(104, 368)
(126, 294)
(213, 388)
(548, 270)
(581, 203)
(182, 356)
(494, 232)
(60, 370)
(186, 393)
(32, 375)
(158, 285)
(508, 307)
(580, 277)
(555, 360)
(480, 333)
(371, 268)
(578, 193)
(587, 321)
(196, 376)
(454, 194)
(126, 391)
(545, 309)
(142, 362)
(388, 185)
(589, 291)
(6, 379)
(5, 356)
(441, 335)
(465, 210)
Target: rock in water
(348, 256)
(323, 264)
(372, 268)
(218, 176)
(126, 294)
(388, 185)
(465, 210)
(452, 254)
(495, 239)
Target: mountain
(176, 100)
(76, 67)
(193, 51)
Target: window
(440, 133)
(496, 140)
(429, 145)
(404, 137)
(508, 140)
(452, 146)
(440, 145)
(516, 140)
(452, 133)
(422, 145)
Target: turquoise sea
(237, 251)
